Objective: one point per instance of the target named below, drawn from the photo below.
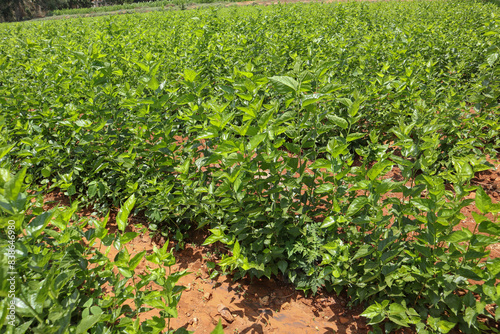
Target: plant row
(336, 155)
(56, 271)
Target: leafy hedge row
(277, 128)
(56, 274)
(111, 7)
(16, 10)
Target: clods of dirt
(255, 306)
(490, 180)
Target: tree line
(17, 10)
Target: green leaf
(21, 329)
(37, 225)
(478, 218)
(92, 190)
(211, 239)
(218, 329)
(13, 186)
(459, 236)
(489, 228)
(320, 163)
(495, 207)
(445, 326)
(377, 169)
(324, 188)
(87, 323)
(236, 250)
(463, 169)
(363, 251)
(83, 123)
(134, 262)
(376, 312)
(284, 84)
(338, 121)
(4, 303)
(357, 204)
(256, 140)
(46, 171)
(454, 303)
(283, 265)
(422, 204)
(397, 314)
(122, 257)
(186, 98)
(494, 267)
(142, 66)
(207, 134)
(127, 237)
(354, 136)
(156, 325)
(71, 190)
(310, 99)
(467, 273)
(491, 32)
(336, 147)
(396, 308)
(190, 75)
(329, 221)
(354, 108)
(492, 59)
(153, 84)
(125, 272)
(489, 290)
(470, 316)
(401, 320)
(372, 311)
(122, 216)
(5, 149)
(483, 201)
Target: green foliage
(111, 6)
(61, 271)
(131, 5)
(65, 4)
(182, 4)
(218, 329)
(334, 145)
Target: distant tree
(64, 4)
(16, 10)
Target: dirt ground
(261, 306)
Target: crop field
(340, 148)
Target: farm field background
(346, 148)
